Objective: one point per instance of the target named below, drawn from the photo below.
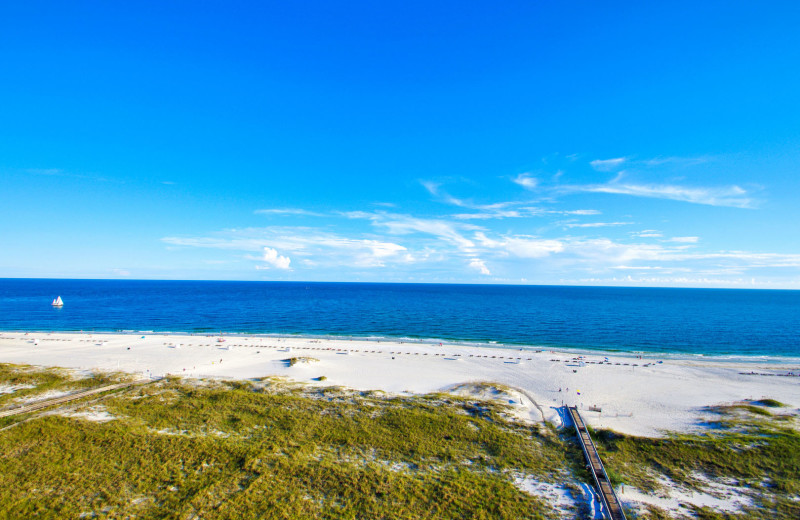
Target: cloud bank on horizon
(539, 236)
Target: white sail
(58, 302)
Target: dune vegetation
(750, 449)
(268, 448)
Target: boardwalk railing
(32, 407)
(611, 505)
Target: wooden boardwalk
(65, 399)
(611, 506)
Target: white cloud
(331, 249)
(521, 246)
(230, 239)
(360, 215)
(272, 258)
(679, 161)
(480, 265)
(526, 181)
(432, 187)
(494, 210)
(597, 224)
(510, 213)
(581, 212)
(320, 247)
(638, 268)
(288, 211)
(752, 259)
(731, 196)
(382, 249)
(525, 247)
(405, 224)
(648, 233)
(490, 213)
(439, 228)
(607, 165)
(426, 247)
(602, 251)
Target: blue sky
(613, 143)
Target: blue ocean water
(715, 322)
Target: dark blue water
(687, 321)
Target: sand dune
(637, 396)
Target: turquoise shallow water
(666, 321)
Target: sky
(569, 143)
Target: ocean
(708, 322)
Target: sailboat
(58, 302)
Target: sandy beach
(640, 396)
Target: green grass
(271, 450)
(770, 403)
(268, 448)
(302, 359)
(747, 444)
(44, 380)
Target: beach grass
(292, 361)
(27, 383)
(269, 449)
(753, 451)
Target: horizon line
(407, 283)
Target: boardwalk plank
(611, 504)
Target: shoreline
(640, 396)
(466, 343)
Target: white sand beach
(644, 396)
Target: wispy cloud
(48, 171)
(434, 189)
(678, 281)
(601, 252)
(596, 224)
(58, 172)
(288, 211)
(449, 231)
(628, 168)
(581, 212)
(475, 243)
(488, 214)
(526, 180)
(608, 165)
(400, 224)
(648, 233)
(326, 249)
(498, 210)
(730, 196)
(401, 241)
(677, 161)
(521, 246)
